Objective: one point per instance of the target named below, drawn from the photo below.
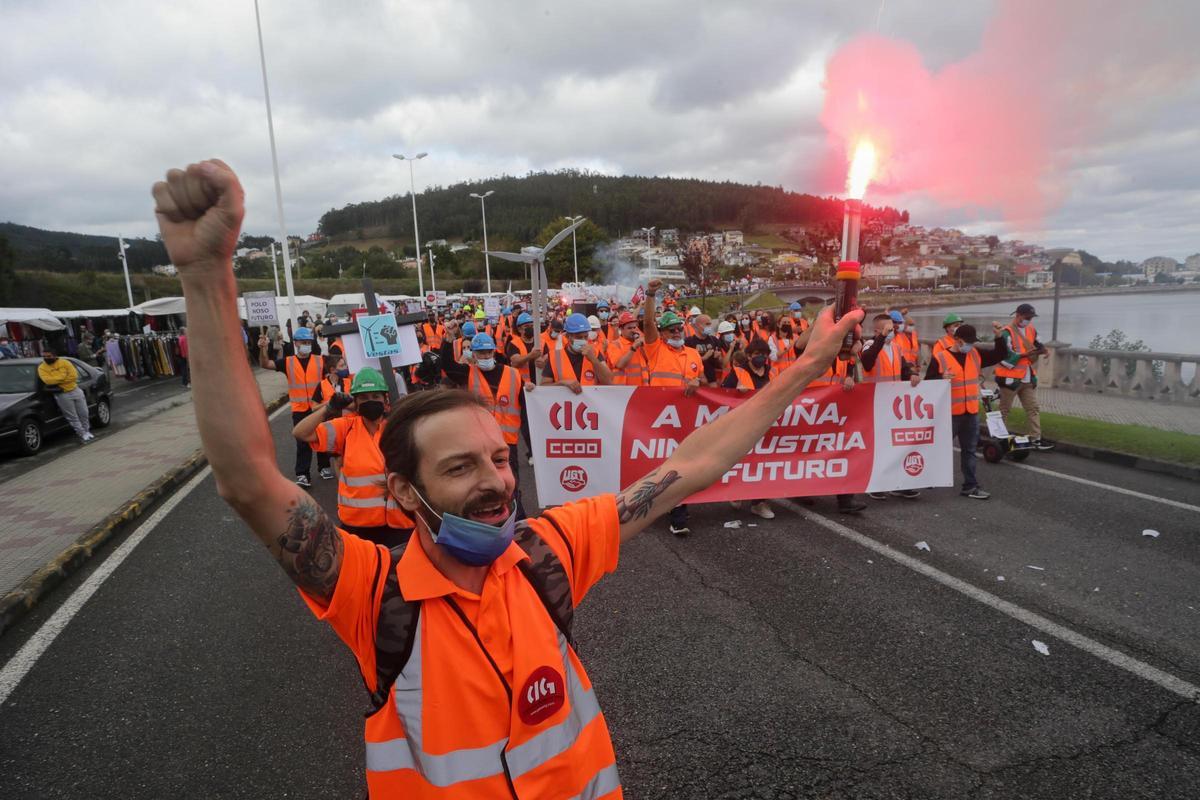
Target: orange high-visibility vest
(522, 349)
(1020, 341)
(329, 389)
(833, 375)
(744, 378)
(363, 498)
(562, 369)
(505, 404)
(458, 349)
(887, 365)
(944, 343)
(303, 381)
(670, 367)
(634, 371)
(337, 342)
(910, 346)
(784, 358)
(964, 381)
(433, 335)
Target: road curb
(1127, 460)
(18, 602)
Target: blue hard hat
(602, 304)
(795, 307)
(577, 323)
(524, 319)
(482, 341)
(302, 335)
(896, 316)
(506, 310)
(468, 329)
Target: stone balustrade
(1139, 375)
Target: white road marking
(23, 660)
(1108, 487)
(1038, 622)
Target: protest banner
(878, 437)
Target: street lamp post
(432, 281)
(416, 234)
(275, 269)
(125, 265)
(487, 264)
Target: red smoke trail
(997, 129)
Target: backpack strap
(395, 629)
(396, 625)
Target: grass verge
(1137, 440)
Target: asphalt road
(132, 402)
(795, 658)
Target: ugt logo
(572, 414)
(909, 406)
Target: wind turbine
(535, 257)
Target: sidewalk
(1120, 410)
(73, 503)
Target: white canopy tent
(42, 318)
(94, 313)
(162, 307)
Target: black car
(27, 409)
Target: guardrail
(1123, 373)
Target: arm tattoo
(636, 503)
(310, 550)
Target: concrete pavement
(780, 661)
(52, 511)
(1119, 410)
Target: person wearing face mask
(364, 506)
(304, 371)
(882, 361)
(6, 348)
(842, 372)
(764, 327)
(627, 354)
(61, 377)
(751, 371)
(961, 364)
(671, 363)
(905, 336)
(782, 346)
(459, 351)
(552, 335)
(577, 364)
(949, 325)
(499, 387)
(434, 331)
(337, 379)
(598, 339)
(520, 349)
(731, 344)
(1016, 375)
(608, 331)
(710, 347)
(463, 637)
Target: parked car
(28, 412)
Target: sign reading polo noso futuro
(877, 437)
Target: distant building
(164, 269)
(732, 237)
(1156, 264)
(669, 275)
(669, 236)
(883, 272)
(1193, 263)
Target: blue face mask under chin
(475, 543)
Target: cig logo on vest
(543, 694)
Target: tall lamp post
(574, 249)
(125, 265)
(487, 264)
(412, 189)
(432, 281)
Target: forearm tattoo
(310, 550)
(636, 503)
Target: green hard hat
(950, 319)
(368, 380)
(668, 319)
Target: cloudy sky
(98, 99)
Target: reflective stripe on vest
(563, 370)
(783, 358)
(910, 346)
(835, 373)
(363, 497)
(964, 381)
(944, 343)
(444, 770)
(303, 382)
(886, 367)
(666, 357)
(634, 371)
(508, 417)
(433, 335)
(1019, 344)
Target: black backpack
(396, 626)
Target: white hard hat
(594, 321)
(726, 327)
(694, 311)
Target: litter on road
(733, 523)
(1041, 647)
(1150, 532)
(922, 545)
(1039, 569)
(999, 577)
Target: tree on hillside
(696, 261)
(993, 242)
(8, 276)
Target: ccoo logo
(542, 696)
(571, 415)
(914, 464)
(908, 406)
(573, 478)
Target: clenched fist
(199, 213)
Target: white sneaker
(87, 437)
(762, 510)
